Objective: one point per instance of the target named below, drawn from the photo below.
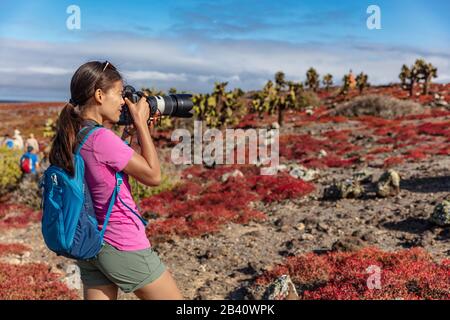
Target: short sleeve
(110, 150)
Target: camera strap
(85, 128)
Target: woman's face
(112, 103)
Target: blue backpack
(69, 223)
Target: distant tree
(312, 79)
(346, 81)
(238, 92)
(409, 77)
(425, 72)
(361, 81)
(327, 81)
(264, 101)
(287, 101)
(280, 80)
(404, 76)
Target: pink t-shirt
(104, 154)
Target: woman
(127, 260)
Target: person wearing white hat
(18, 140)
(31, 141)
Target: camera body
(174, 105)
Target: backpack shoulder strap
(119, 179)
(111, 204)
(88, 128)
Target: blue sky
(192, 44)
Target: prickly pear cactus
(441, 213)
(388, 184)
(281, 289)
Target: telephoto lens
(173, 105)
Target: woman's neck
(91, 114)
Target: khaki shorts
(129, 270)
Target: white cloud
(154, 75)
(49, 70)
(36, 70)
(163, 63)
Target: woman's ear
(98, 95)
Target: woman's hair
(87, 79)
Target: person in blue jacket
(29, 162)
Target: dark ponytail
(86, 80)
(67, 127)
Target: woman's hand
(153, 121)
(131, 131)
(140, 111)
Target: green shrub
(306, 99)
(140, 191)
(28, 192)
(379, 106)
(9, 168)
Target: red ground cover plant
(252, 120)
(435, 129)
(392, 161)
(337, 135)
(405, 274)
(416, 154)
(330, 161)
(380, 150)
(387, 140)
(12, 248)
(28, 117)
(203, 204)
(301, 118)
(406, 135)
(435, 113)
(335, 119)
(17, 216)
(32, 281)
(376, 122)
(280, 187)
(306, 148)
(436, 149)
